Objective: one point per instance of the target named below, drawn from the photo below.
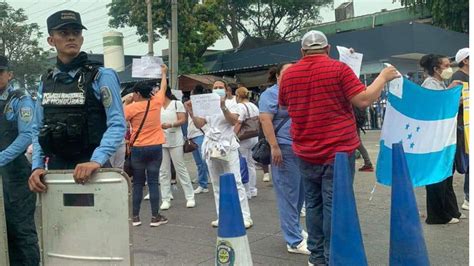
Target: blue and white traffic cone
(232, 243)
(407, 244)
(347, 247)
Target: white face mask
(220, 92)
(447, 73)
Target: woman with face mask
(220, 148)
(441, 204)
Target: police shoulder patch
(106, 96)
(26, 114)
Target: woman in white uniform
(247, 110)
(173, 116)
(220, 136)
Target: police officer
(79, 121)
(16, 115)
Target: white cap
(314, 40)
(461, 55)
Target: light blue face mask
(220, 92)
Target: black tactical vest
(8, 129)
(74, 119)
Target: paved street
(189, 239)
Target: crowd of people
(81, 122)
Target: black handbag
(127, 166)
(262, 152)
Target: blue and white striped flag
(424, 121)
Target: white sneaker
(465, 205)
(303, 212)
(310, 264)
(302, 248)
(165, 205)
(253, 193)
(248, 224)
(215, 223)
(463, 216)
(171, 197)
(453, 221)
(266, 177)
(304, 234)
(147, 197)
(190, 204)
(200, 190)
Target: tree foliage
(195, 31)
(20, 46)
(268, 19)
(449, 14)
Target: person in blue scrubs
(286, 176)
(79, 121)
(16, 115)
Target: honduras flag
(424, 121)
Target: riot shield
(3, 230)
(86, 224)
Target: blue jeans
(146, 163)
(201, 165)
(466, 185)
(318, 186)
(289, 192)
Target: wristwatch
(224, 109)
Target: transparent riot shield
(86, 224)
(3, 230)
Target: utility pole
(174, 45)
(150, 27)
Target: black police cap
(3, 62)
(64, 18)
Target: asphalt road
(189, 239)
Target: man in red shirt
(319, 93)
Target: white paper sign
(396, 85)
(147, 67)
(353, 60)
(206, 104)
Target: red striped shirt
(317, 91)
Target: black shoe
(136, 221)
(158, 220)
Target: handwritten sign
(353, 60)
(206, 104)
(147, 67)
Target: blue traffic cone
(407, 244)
(347, 247)
(232, 244)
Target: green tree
(195, 31)
(448, 14)
(19, 43)
(268, 19)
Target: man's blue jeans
(318, 186)
(201, 165)
(146, 163)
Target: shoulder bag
(250, 127)
(261, 152)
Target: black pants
(20, 204)
(441, 203)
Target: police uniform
(16, 115)
(79, 115)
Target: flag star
(407, 126)
(412, 145)
(410, 136)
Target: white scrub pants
(246, 152)
(177, 155)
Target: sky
(94, 17)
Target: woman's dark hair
(430, 61)
(274, 72)
(461, 64)
(169, 94)
(199, 89)
(144, 88)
